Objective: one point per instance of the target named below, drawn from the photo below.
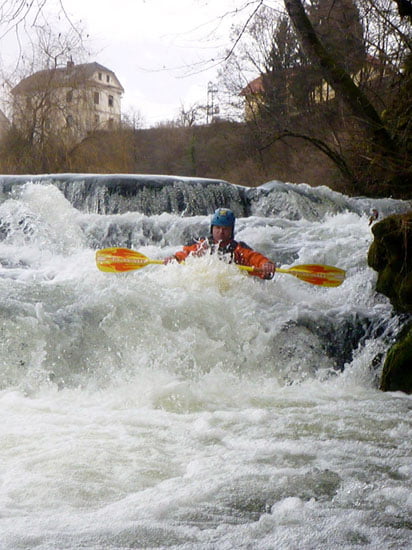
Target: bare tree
(39, 38)
(17, 16)
(383, 150)
(335, 74)
(358, 57)
(189, 116)
(43, 105)
(261, 67)
(53, 96)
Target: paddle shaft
(119, 260)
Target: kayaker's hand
(169, 259)
(202, 249)
(268, 269)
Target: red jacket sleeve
(197, 248)
(245, 255)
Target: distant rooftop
(71, 75)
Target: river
(193, 406)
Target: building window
(110, 123)
(107, 78)
(96, 98)
(100, 76)
(96, 119)
(110, 102)
(69, 96)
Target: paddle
(115, 260)
(120, 260)
(315, 274)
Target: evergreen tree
(282, 90)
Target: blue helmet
(223, 217)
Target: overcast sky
(158, 48)
(162, 51)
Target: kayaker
(221, 240)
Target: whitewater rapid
(195, 407)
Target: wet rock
(397, 370)
(391, 256)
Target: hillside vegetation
(331, 105)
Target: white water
(195, 407)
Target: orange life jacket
(240, 253)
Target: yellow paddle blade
(119, 260)
(317, 274)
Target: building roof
(254, 87)
(259, 84)
(70, 76)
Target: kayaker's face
(222, 234)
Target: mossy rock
(391, 256)
(397, 370)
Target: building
(278, 85)
(374, 75)
(253, 95)
(69, 102)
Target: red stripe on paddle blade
(119, 260)
(317, 274)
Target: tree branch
(335, 157)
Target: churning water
(195, 407)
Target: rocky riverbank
(391, 256)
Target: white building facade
(70, 102)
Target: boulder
(390, 255)
(397, 370)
